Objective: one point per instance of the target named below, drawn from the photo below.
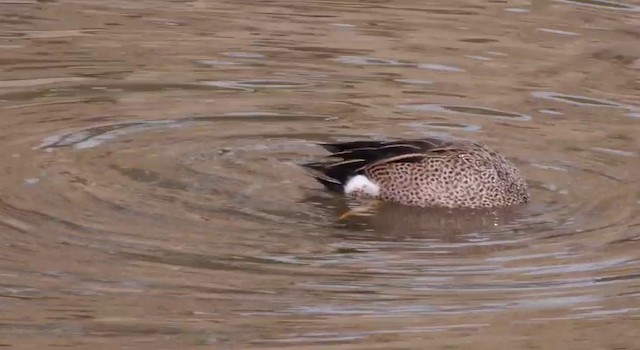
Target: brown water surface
(150, 196)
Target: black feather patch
(334, 175)
(372, 155)
(343, 146)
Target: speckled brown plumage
(425, 172)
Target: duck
(425, 172)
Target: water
(150, 195)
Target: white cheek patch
(361, 183)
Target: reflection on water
(151, 194)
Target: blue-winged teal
(428, 172)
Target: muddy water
(150, 197)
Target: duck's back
(471, 176)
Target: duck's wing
(348, 159)
(383, 147)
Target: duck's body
(427, 172)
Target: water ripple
(440, 67)
(255, 84)
(467, 110)
(576, 99)
(369, 61)
(603, 4)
